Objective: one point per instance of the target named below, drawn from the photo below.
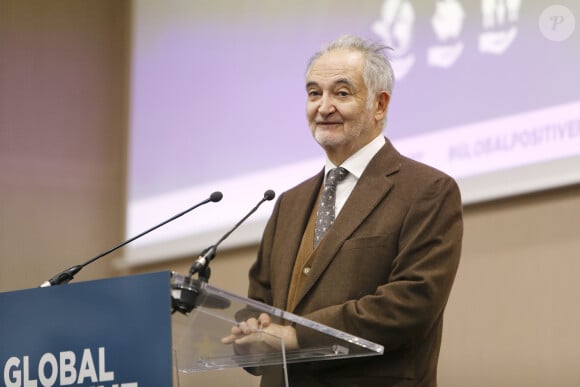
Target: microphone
(67, 275)
(208, 254)
(188, 293)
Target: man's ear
(381, 105)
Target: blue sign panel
(107, 333)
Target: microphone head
(269, 195)
(216, 196)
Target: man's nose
(326, 106)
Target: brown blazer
(383, 272)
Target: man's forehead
(311, 82)
(336, 67)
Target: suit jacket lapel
(300, 202)
(369, 191)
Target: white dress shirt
(355, 165)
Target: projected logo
(447, 23)
(397, 26)
(499, 24)
(396, 29)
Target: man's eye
(343, 93)
(313, 93)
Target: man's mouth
(328, 123)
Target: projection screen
(486, 91)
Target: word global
(60, 369)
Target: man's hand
(261, 335)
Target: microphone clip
(188, 293)
(201, 264)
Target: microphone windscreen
(269, 195)
(216, 196)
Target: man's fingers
(264, 320)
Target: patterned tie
(325, 214)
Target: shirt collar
(357, 163)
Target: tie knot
(335, 175)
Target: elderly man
(370, 245)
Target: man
(383, 270)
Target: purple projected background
(218, 87)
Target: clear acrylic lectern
(197, 334)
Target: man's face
(336, 109)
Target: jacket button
(306, 270)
